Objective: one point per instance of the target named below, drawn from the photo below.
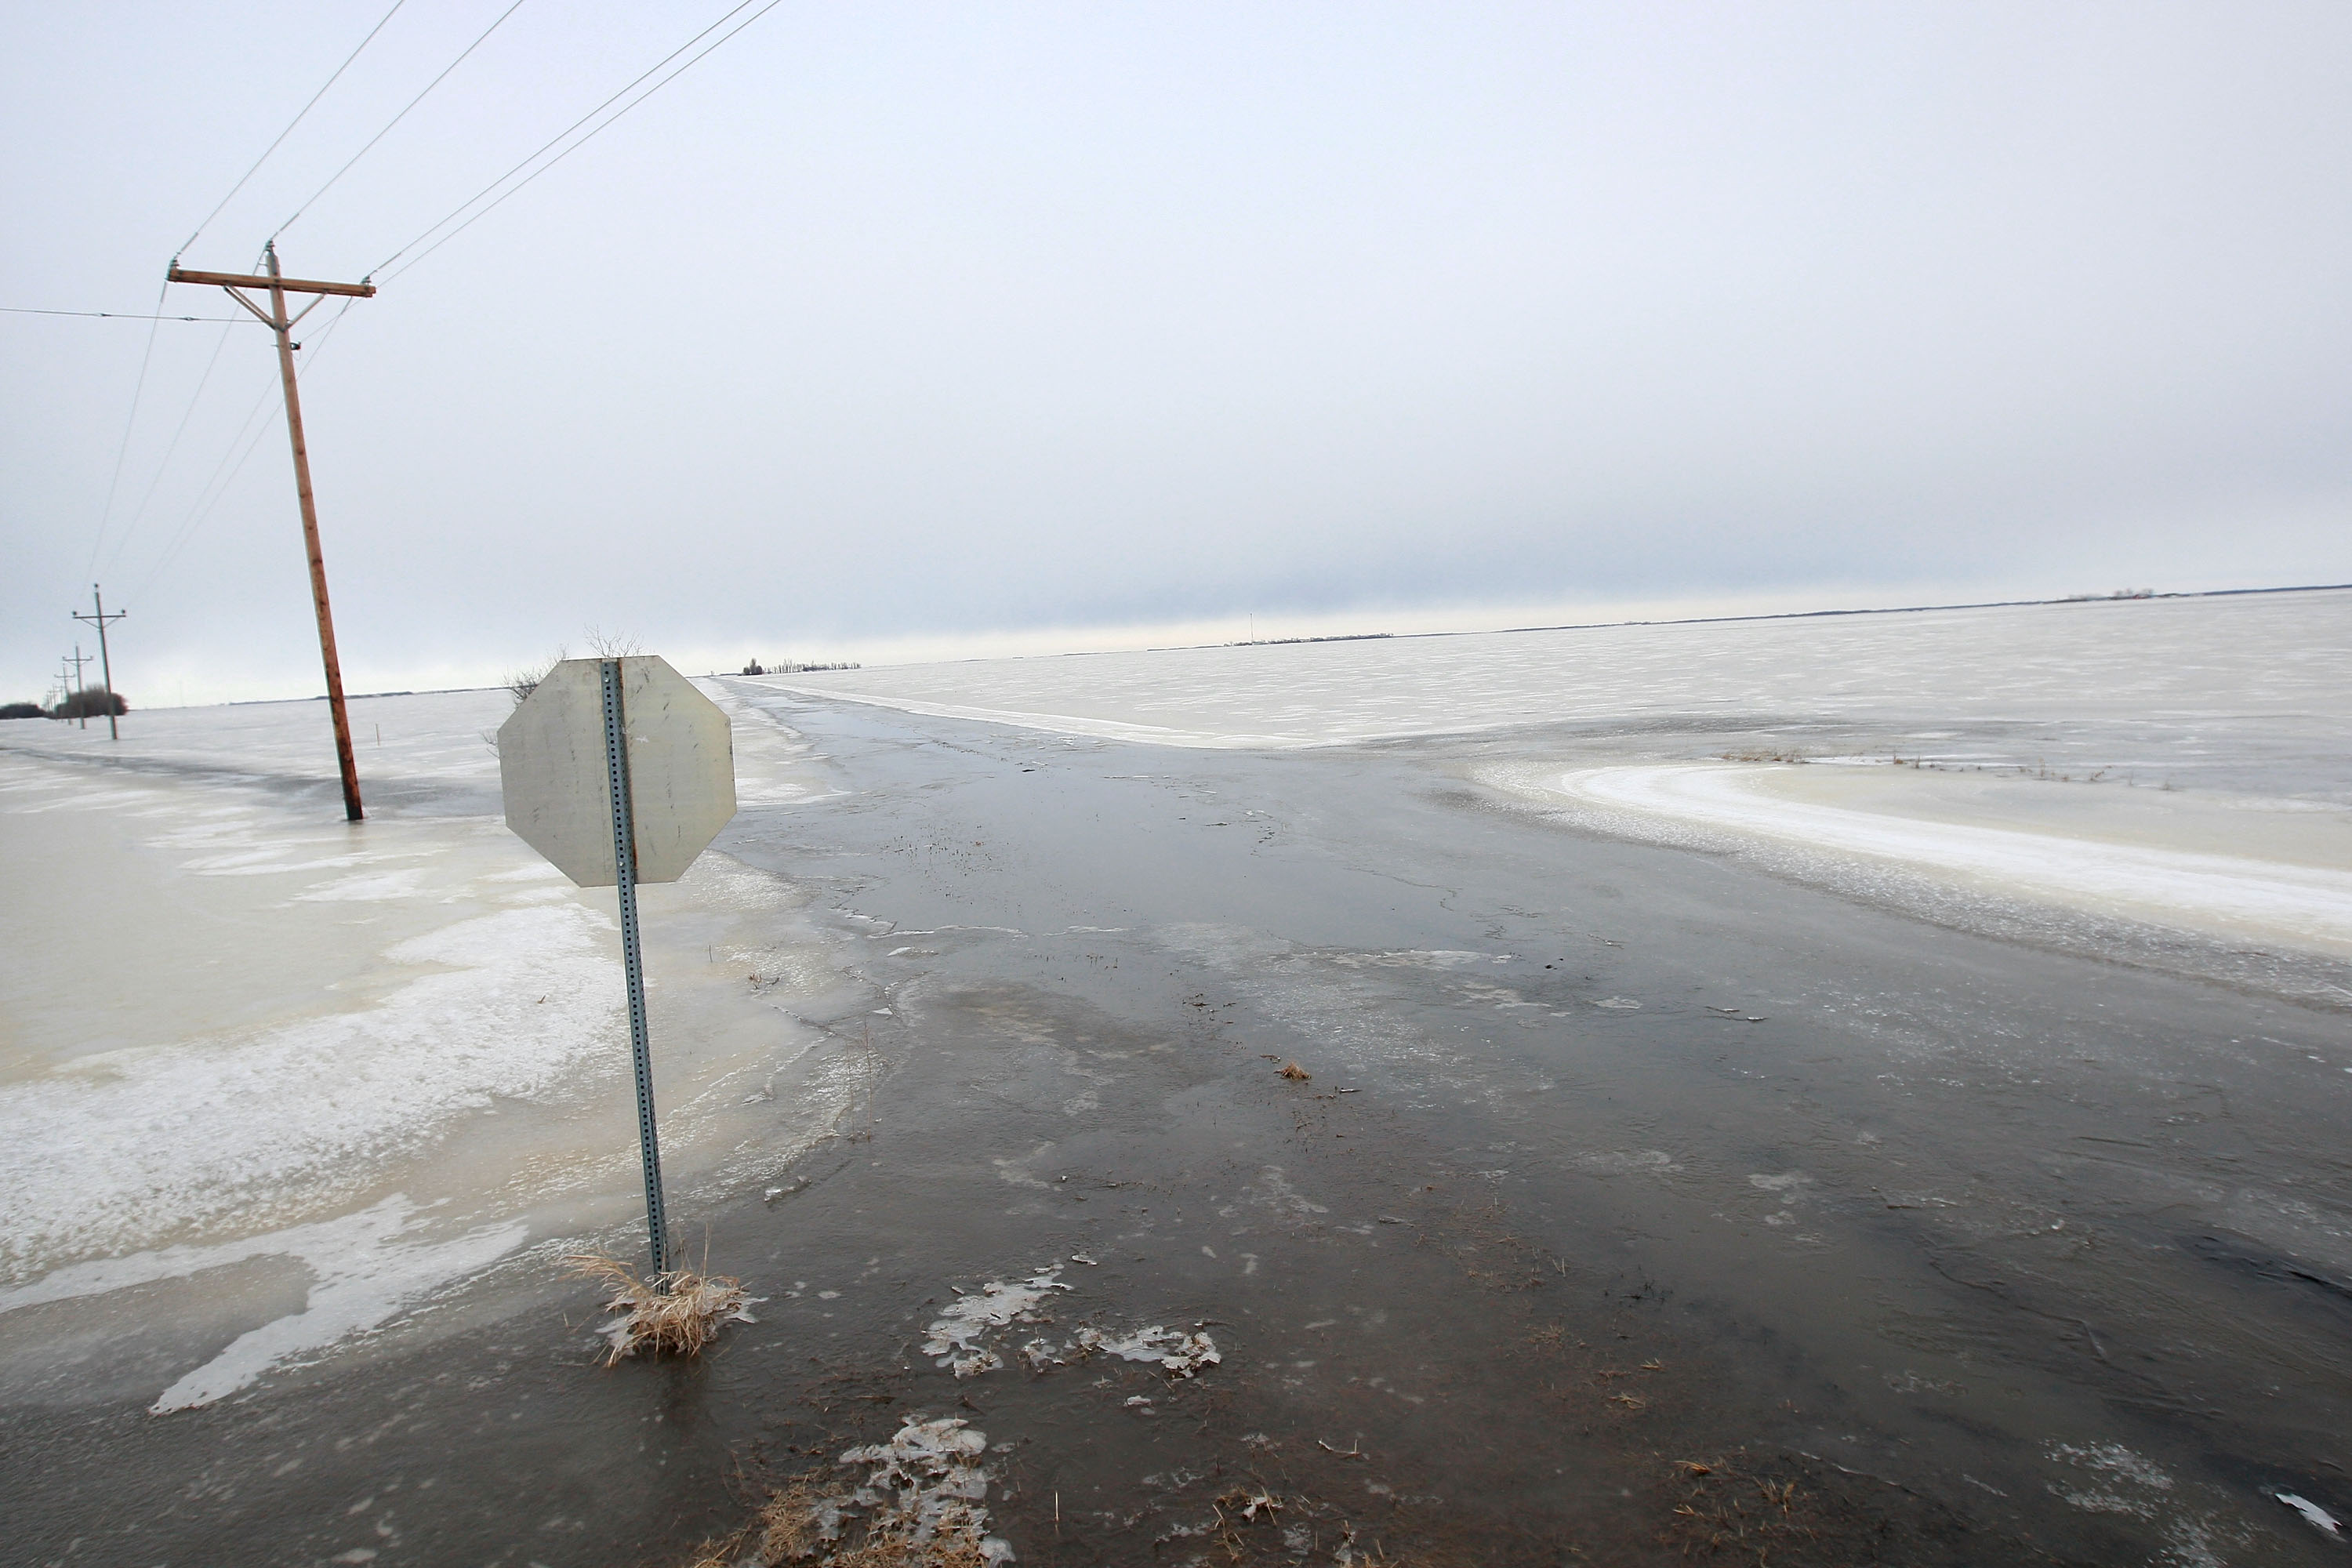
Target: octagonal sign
(559, 799)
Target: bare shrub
(523, 682)
(613, 645)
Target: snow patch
(2327, 1523)
(1172, 1351)
(955, 1337)
(927, 1481)
(958, 1339)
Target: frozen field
(2251, 687)
(242, 1037)
(2185, 762)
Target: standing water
(1832, 1088)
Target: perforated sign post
(619, 772)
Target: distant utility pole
(105, 666)
(279, 321)
(79, 659)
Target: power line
(249, 432)
(568, 130)
(172, 445)
(315, 97)
(396, 118)
(110, 315)
(138, 390)
(215, 488)
(553, 141)
(105, 512)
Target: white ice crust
(235, 1030)
(2300, 906)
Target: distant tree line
(790, 667)
(89, 702)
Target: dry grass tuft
(889, 1546)
(804, 1524)
(675, 1314)
(789, 1527)
(1725, 1511)
(920, 1506)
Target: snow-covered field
(240, 1032)
(2250, 684)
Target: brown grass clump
(888, 1546)
(1296, 1073)
(789, 1527)
(675, 1314)
(803, 1523)
(921, 1505)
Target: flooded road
(1637, 1202)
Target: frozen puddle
(2304, 906)
(365, 1267)
(959, 1338)
(956, 1337)
(1172, 1350)
(119, 1147)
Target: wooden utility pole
(105, 663)
(278, 321)
(79, 659)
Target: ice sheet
(254, 1128)
(2240, 703)
(2301, 898)
(235, 1027)
(2225, 689)
(365, 1267)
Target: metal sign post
(624, 864)
(620, 773)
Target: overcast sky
(899, 328)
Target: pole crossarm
(291, 285)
